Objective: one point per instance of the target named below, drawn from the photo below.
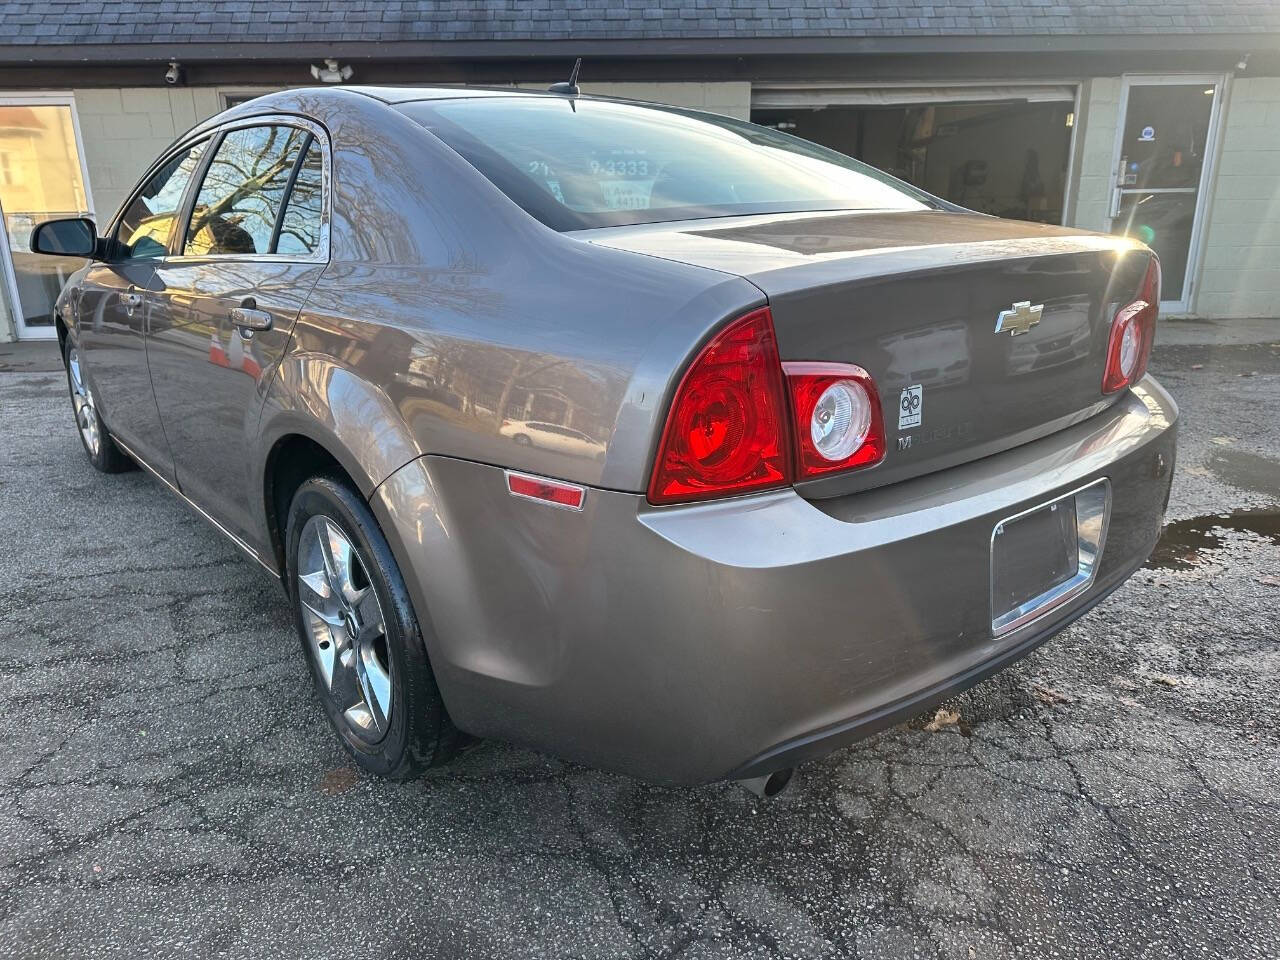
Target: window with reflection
(579, 164)
(239, 202)
(300, 225)
(148, 223)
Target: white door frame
(9, 279)
(1195, 248)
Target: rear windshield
(577, 164)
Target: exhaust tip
(769, 786)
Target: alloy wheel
(82, 399)
(345, 627)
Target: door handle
(247, 320)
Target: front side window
(577, 164)
(243, 191)
(148, 222)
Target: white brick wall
(1240, 273)
(125, 130)
(730, 98)
(1093, 191)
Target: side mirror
(73, 237)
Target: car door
(224, 303)
(113, 305)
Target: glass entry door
(1163, 154)
(42, 176)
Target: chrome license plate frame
(1092, 504)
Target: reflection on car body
(936, 356)
(1062, 336)
(552, 436)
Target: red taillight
(838, 422)
(1132, 332)
(730, 426)
(727, 430)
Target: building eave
(672, 48)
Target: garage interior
(1009, 157)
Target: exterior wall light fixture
(332, 72)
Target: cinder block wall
(730, 98)
(124, 130)
(1093, 188)
(1240, 274)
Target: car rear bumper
(733, 638)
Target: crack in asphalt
(163, 785)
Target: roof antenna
(571, 87)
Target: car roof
(395, 95)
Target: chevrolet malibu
(846, 448)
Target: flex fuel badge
(911, 407)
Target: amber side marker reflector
(556, 493)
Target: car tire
(360, 634)
(99, 446)
(522, 440)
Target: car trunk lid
(928, 303)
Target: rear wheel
(360, 634)
(98, 444)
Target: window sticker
(911, 407)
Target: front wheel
(361, 635)
(98, 444)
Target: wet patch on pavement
(1248, 471)
(1186, 544)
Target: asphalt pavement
(169, 786)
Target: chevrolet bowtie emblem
(1020, 318)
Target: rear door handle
(247, 319)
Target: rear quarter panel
(440, 356)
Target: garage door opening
(1009, 158)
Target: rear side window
(577, 164)
(148, 221)
(300, 225)
(239, 202)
